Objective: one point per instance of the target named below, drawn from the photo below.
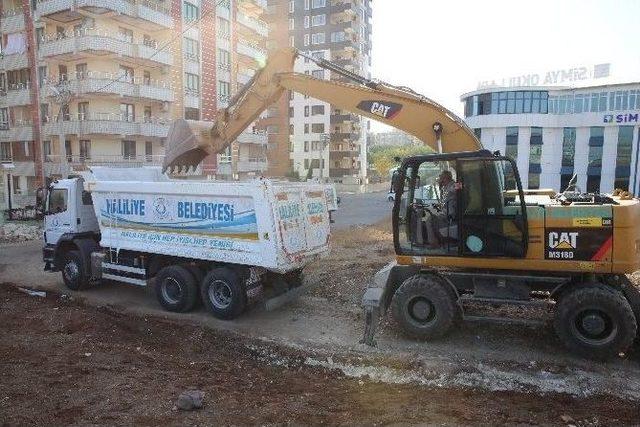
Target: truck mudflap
(377, 296)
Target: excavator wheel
(424, 307)
(595, 321)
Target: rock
(190, 400)
(566, 419)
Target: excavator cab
(483, 213)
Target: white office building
(554, 132)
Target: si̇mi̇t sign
(550, 78)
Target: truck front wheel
(223, 294)
(73, 272)
(424, 308)
(176, 289)
(595, 321)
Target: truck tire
(73, 272)
(223, 294)
(424, 308)
(595, 321)
(176, 289)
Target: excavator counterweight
(189, 142)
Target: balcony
(15, 96)
(19, 131)
(342, 154)
(63, 164)
(256, 25)
(251, 50)
(144, 14)
(15, 61)
(253, 138)
(342, 137)
(11, 21)
(103, 84)
(107, 124)
(254, 7)
(101, 43)
(343, 9)
(252, 165)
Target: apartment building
(325, 141)
(85, 82)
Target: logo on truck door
(386, 110)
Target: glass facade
(539, 102)
(508, 102)
(512, 143)
(568, 146)
(623, 157)
(535, 157)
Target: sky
(443, 49)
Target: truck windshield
(58, 200)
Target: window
(291, 112)
(534, 181)
(306, 111)
(478, 133)
(318, 20)
(596, 136)
(623, 157)
(306, 21)
(306, 39)
(58, 200)
(127, 112)
(306, 128)
(292, 41)
(191, 113)
(125, 74)
(565, 179)
(223, 89)
(317, 128)
(190, 12)
(292, 24)
(44, 113)
(83, 111)
(292, 5)
(147, 114)
(146, 78)
(593, 183)
(192, 83)
(148, 150)
(306, 4)
(568, 146)
(536, 135)
(317, 110)
(317, 38)
(85, 149)
(224, 57)
(191, 49)
(68, 149)
(128, 149)
(224, 28)
(291, 129)
(512, 135)
(306, 146)
(315, 4)
(338, 36)
(595, 158)
(318, 74)
(81, 71)
(535, 154)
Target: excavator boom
(189, 142)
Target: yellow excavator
(470, 242)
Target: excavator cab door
(474, 214)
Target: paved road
(362, 208)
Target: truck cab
(68, 216)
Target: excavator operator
(438, 221)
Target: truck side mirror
(396, 182)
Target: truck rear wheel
(73, 272)
(595, 321)
(424, 308)
(223, 294)
(176, 289)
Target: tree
(382, 158)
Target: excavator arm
(189, 142)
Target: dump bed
(258, 223)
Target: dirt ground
(62, 362)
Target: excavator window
(460, 206)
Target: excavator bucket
(188, 143)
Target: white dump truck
(227, 245)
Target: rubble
(19, 232)
(190, 400)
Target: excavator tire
(595, 321)
(424, 308)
